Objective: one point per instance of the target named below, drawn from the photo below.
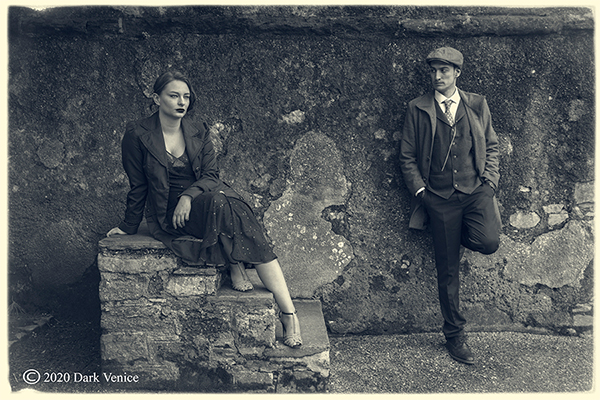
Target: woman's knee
(218, 199)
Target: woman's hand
(115, 231)
(182, 211)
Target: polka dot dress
(228, 228)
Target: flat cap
(447, 55)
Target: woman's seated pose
(174, 181)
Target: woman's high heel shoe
(291, 337)
(241, 282)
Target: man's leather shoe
(459, 350)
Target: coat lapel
(477, 130)
(460, 111)
(192, 143)
(155, 143)
(153, 138)
(427, 104)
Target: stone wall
(305, 107)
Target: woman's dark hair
(170, 76)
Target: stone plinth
(171, 327)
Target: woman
(174, 180)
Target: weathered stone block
(150, 372)
(255, 331)
(584, 194)
(554, 259)
(146, 319)
(311, 254)
(524, 220)
(224, 350)
(192, 285)
(559, 218)
(224, 340)
(318, 363)
(553, 208)
(309, 378)
(583, 320)
(114, 286)
(124, 347)
(251, 380)
(135, 263)
(163, 347)
(583, 308)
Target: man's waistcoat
(455, 149)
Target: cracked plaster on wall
(310, 253)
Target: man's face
(443, 77)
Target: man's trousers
(472, 220)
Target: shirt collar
(440, 98)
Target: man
(449, 161)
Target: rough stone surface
(553, 208)
(524, 221)
(557, 219)
(584, 193)
(582, 308)
(310, 253)
(270, 78)
(583, 321)
(555, 259)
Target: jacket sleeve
(492, 162)
(207, 171)
(408, 153)
(133, 160)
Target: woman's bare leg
(272, 277)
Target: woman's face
(174, 100)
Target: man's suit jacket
(416, 147)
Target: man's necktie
(448, 103)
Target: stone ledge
(227, 293)
(345, 21)
(140, 241)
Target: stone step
(312, 323)
(279, 368)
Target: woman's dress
(228, 228)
